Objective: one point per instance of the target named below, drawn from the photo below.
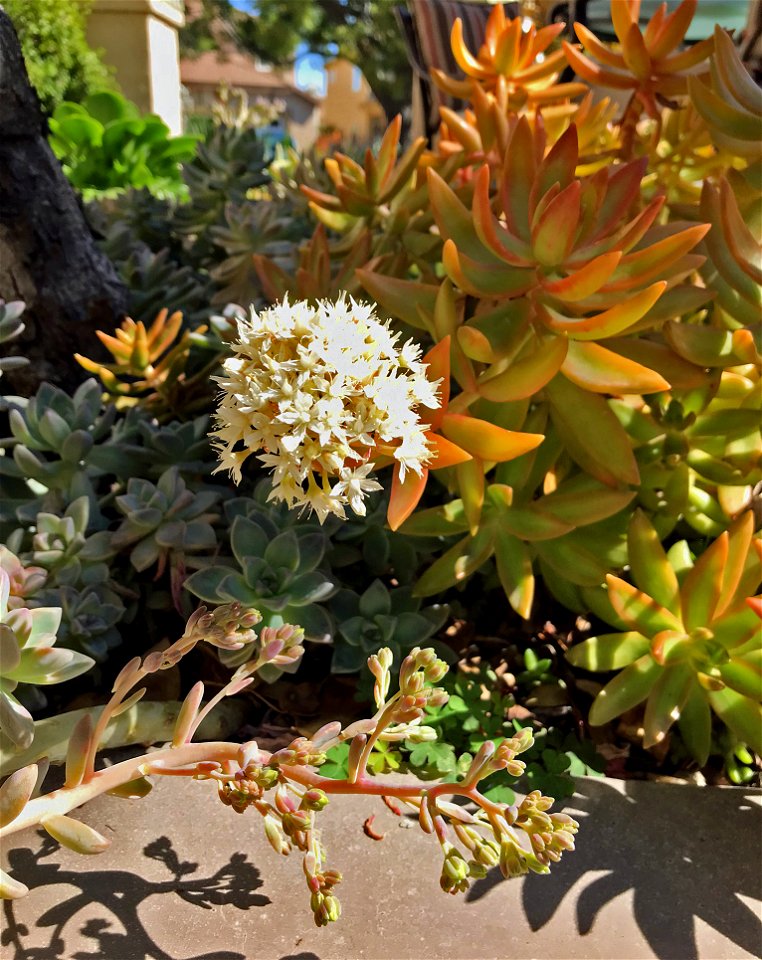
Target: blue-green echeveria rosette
(28, 655)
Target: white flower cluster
(323, 390)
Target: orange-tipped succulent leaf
(645, 61)
(512, 64)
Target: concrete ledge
(660, 871)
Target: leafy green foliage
(477, 711)
(59, 61)
(107, 147)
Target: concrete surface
(660, 871)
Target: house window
(356, 79)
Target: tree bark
(48, 256)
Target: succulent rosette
(512, 63)
(691, 643)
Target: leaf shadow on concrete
(686, 853)
(121, 893)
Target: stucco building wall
(139, 39)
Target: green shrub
(60, 63)
(107, 147)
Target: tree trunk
(48, 257)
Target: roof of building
(237, 69)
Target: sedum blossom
(323, 391)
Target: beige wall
(303, 121)
(139, 38)
(349, 105)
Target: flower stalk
(286, 787)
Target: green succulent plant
(11, 327)
(89, 617)
(28, 655)
(106, 147)
(699, 451)
(181, 444)
(229, 163)
(689, 642)
(520, 526)
(61, 546)
(156, 280)
(368, 541)
(278, 572)
(380, 618)
(249, 229)
(61, 443)
(165, 521)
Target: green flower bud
(314, 799)
(436, 671)
(487, 852)
(512, 862)
(332, 907)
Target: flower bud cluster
(505, 755)
(300, 752)
(278, 646)
(549, 836)
(318, 389)
(456, 872)
(281, 646)
(379, 665)
(228, 627)
(241, 783)
(419, 668)
(324, 904)
(239, 794)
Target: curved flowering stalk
(645, 61)
(286, 788)
(511, 64)
(690, 643)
